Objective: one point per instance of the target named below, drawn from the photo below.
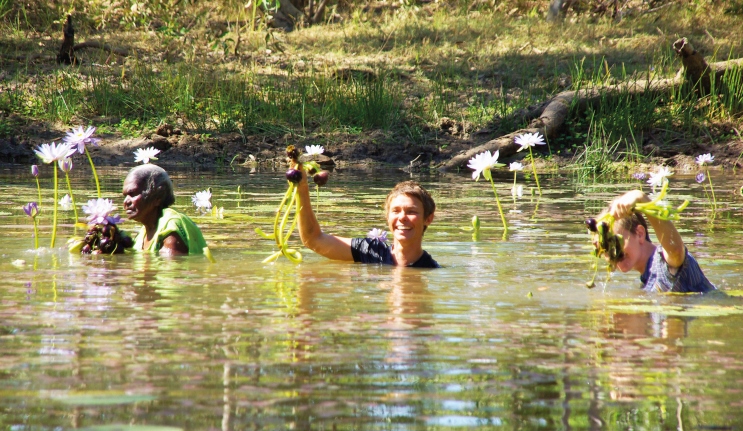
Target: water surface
(504, 335)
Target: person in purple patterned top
(667, 267)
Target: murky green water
(87, 342)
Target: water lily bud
(86, 249)
(294, 176)
(35, 170)
(591, 224)
(321, 178)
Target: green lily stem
(95, 174)
(36, 233)
(280, 232)
(711, 189)
(38, 189)
(69, 189)
(534, 169)
(56, 198)
(278, 216)
(500, 209)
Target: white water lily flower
(527, 140)
(50, 153)
(705, 158)
(482, 163)
(378, 234)
(312, 150)
(658, 178)
(517, 191)
(144, 155)
(202, 200)
(516, 166)
(78, 137)
(99, 211)
(66, 203)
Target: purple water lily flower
(31, 209)
(35, 170)
(378, 234)
(639, 176)
(79, 137)
(99, 212)
(701, 177)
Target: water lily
(35, 173)
(313, 150)
(78, 138)
(660, 177)
(66, 203)
(378, 234)
(516, 166)
(99, 212)
(144, 155)
(528, 140)
(701, 177)
(703, 160)
(639, 176)
(202, 200)
(51, 153)
(481, 164)
(517, 191)
(32, 210)
(66, 166)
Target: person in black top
(409, 210)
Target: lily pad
(101, 399)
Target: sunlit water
(505, 335)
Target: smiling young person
(409, 210)
(668, 267)
(148, 194)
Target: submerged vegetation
(426, 75)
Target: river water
(505, 335)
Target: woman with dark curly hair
(148, 194)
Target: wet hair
(154, 183)
(413, 190)
(631, 223)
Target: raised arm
(674, 250)
(330, 246)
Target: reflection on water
(505, 335)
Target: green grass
(475, 63)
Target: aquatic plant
(202, 200)
(659, 178)
(32, 210)
(482, 164)
(528, 140)
(516, 191)
(283, 212)
(65, 203)
(35, 173)
(378, 234)
(66, 166)
(475, 228)
(319, 178)
(78, 138)
(312, 150)
(144, 155)
(103, 236)
(702, 161)
(51, 153)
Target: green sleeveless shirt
(173, 221)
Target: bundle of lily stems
(607, 243)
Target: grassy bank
(215, 67)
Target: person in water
(409, 211)
(148, 194)
(668, 267)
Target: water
(505, 335)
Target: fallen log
(550, 121)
